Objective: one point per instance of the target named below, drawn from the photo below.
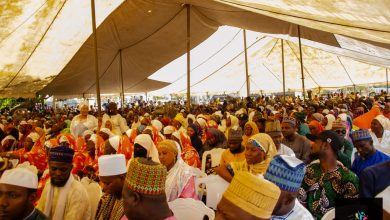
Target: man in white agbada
(18, 188)
(63, 197)
(112, 173)
(119, 125)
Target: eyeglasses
(340, 131)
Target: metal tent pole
(248, 89)
(283, 74)
(96, 56)
(301, 59)
(121, 74)
(387, 81)
(188, 58)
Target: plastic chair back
(190, 209)
(215, 187)
(215, 154)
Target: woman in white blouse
(82, 121)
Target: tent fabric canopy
(46, 46)
(321, 69)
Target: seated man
(144, 191)
(273, 129)
(248, 197)
(287, 173)
(326, 179)
(236, 151)
(112, 172)
(18, 188)
(368, 155)
(63, 197)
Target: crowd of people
(282, 158)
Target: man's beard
(235, 151)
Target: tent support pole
(248, 88)
(283, 74)
(96, 57)
(387, 81)
(54, 104)
(301, 59)
(188, 58)
(121, 72)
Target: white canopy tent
(223, 68)
(46, 45)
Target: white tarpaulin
(222, 68)
(45, 40)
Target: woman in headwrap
(328, 121)
(317, 116)
(180, 181)
(144, 147)
(215, 139)
(32, 151)
(380, 132)
(250, 129)
(315, 127)
(188, 152)
(82, 121)
(194, 132)
(260, 149)
(231, 121)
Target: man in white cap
(18, 188)
(168, 131)
(112, 173)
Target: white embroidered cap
(19, 176)
(112, 165)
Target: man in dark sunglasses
(345, 152)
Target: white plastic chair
(330, 215)
(215, 154)
(215, 187)
(190, 209)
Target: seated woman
(180, 182)
(188, 152)
(144, 147)
(380, 133)
(250, 129)
(215, 139)
(260, 149)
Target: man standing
(144, 191)
(119, 125)
(17, 195)
(368, 155)
(63, 197)
(299, 144)
(326, 179)
(112, 173)
(287, 173)
(248, 197)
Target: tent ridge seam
(154, 32)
